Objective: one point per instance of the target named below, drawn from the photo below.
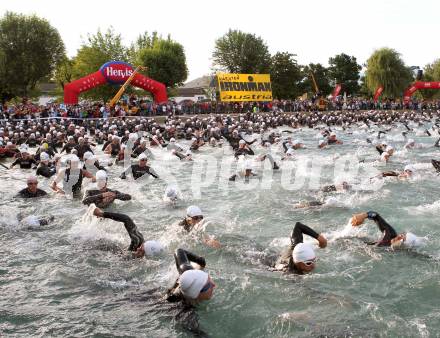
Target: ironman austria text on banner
(244, 87)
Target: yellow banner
(244, 87)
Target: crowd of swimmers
(64, 152)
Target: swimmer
(32, 189)
(332, 139)
(193, 218)
(193, 285)
(138, 246)
(436, 165)
(322, 144)
(25, 161)
(247, 173)
(344, 186)
(33, 221)
(45, 168)
(103, 196)
(300, 257)
(243, 149)
(390, 236)
(138, 170)
(171, 195)
(407, 172)
(72, 177)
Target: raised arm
(184, 258)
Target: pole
(124, 86)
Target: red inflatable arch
(113, 72)
(419, 85)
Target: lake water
(55, 281)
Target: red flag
(336, 91)
(378, 92)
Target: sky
(314, 30)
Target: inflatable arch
(113, 72)
(419, 85)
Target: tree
(285, 75)
(165, 61)
(239, 52)
(386, 68)
(431, 72)
(64, 72)
(97, 50)
(30, 48)
(344, 70)
(321, 77)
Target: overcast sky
(314, 30)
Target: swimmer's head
(151, 248)
(194, 214)
(304, 257)
(406, 240)
(196, 285)
(171, 193)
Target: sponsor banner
(244, 87)
(336, 91)
(116, 72)
(378, 92)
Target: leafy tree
(431, 72)
(386, 68)
(344, 70)
(64, 72)
(321, 77)
(285, 76)
(165, 61)
(30, 48)
(239, 52)
(143, 41)
(97, 50)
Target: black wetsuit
(296, 237)
(136, 237)
(24, 163)
(329, 188)
(25, 193)
(95, 196)
(138, 171)
(45, 170)
(388, 231)
(243, 151)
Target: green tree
(64, 72)
(285, 75)
(30, 48)
(165, 61)
(386, 68)
(93, 53)
(239, 52)
(431, 72)
(344, 69)
(321, 77)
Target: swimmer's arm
(379, 150)
(297, 233)
(14, 163)
(124, 173)
(436, 144)
(389, 174)
(89, 199)
(153, 173)
(121, 196)
(384, 227)
(89, 175)
(184, 258)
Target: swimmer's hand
(213, 243)
(358, 219)
(322, 241)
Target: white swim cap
(193, 211)
(411, 240)
(32, 179)
(242, 142)
(101, 175)
(171, 192)
(410, 141)
(303, 252)
(133, 137)
(296, 142)
(409, 167)
(321, 142)
(191, 282)
(142, 156)
(44, 157)
(153, 248)
(172, 140)
(31, 221)
(88, 155)
(290, 152)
